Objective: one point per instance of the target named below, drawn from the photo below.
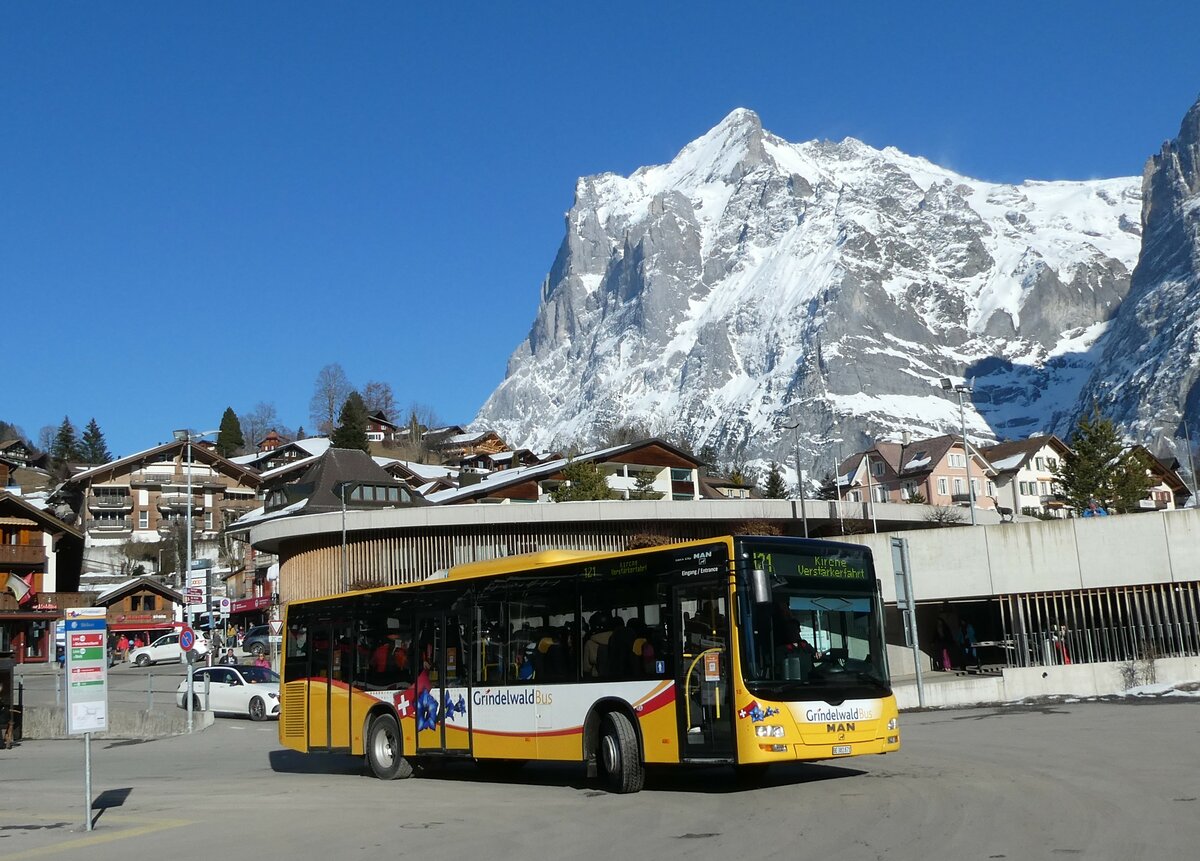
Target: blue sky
(203, 204)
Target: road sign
(276, 627)
(87, 670)
(187, 639)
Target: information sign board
(187, 639)
(87, 670)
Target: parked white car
(165, 648)
(237, 689)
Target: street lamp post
(963, 389)
(343, 488)
(187, 436)
(799, 475)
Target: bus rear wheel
(618, 755)
(383, 750)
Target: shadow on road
(291, 762)
(109, 798)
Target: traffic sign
(276, 627)
(187, 639)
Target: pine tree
(351, 431)
(828, 489)
(583, 480)
(94, 448)
(229, 439)
(643, 487)
(65, 446)
(1096, 469)
(776, 489)
(1131, 481)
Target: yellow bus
(742, 650)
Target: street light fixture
(964, 389)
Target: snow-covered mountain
(753, 283)
(1148, 376)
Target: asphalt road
(1086, 780)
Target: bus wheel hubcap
(609, 753)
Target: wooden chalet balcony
(22, 554)
(111, 502)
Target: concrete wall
(1009, 558)
(1077, 680)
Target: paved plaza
(1085, 780)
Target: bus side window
(295, 665)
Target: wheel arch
(591, 727)
(376, 711)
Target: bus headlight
(893, 724)
(768, 731)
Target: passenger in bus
(523, 667)
(600, 627)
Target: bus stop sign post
(907, 603)
(87, 686)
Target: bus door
(441, 691)
(330, 641)
(703, 689)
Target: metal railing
(110, 501)
(110, 524)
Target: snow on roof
(466, 437)
(918, 462)
(246, 459)
(288, 467)
(314, 445)
(1010, 462)
(260, 515)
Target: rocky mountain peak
(752, 282)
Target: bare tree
(379, 398)
(258, 422)
(329, 393)
(945, 514)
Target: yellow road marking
(95, 838)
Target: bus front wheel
(383, 750)
(618, 755)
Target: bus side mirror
(760, 586)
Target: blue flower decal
(450, 708)
(427, 711)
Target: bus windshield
(822, 629)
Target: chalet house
(723, 487)
(494, 461)
(142, 606)
(1025, 475)
(144, 498)
(1168, 490)
(283, 453)
(934, 468)
(379, 429)
(653, 464)
(40, 558)
(454, 447)
(270, 442)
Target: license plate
(841, 750)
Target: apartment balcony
(151, 476)
(22, 554)
(110, 526)
(166, 526)
(961, 498)
(179, 502)
(111, 502)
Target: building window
(1039, 463)
(143, 519)
(975, 486)
(942, 486)
(876, 468)
(991, 488)
(880, 493)
(1045, 485)
(958, 460)
(208, 521)
(855, 496)
(681, 474)
(960, 487)
(1052, 462)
